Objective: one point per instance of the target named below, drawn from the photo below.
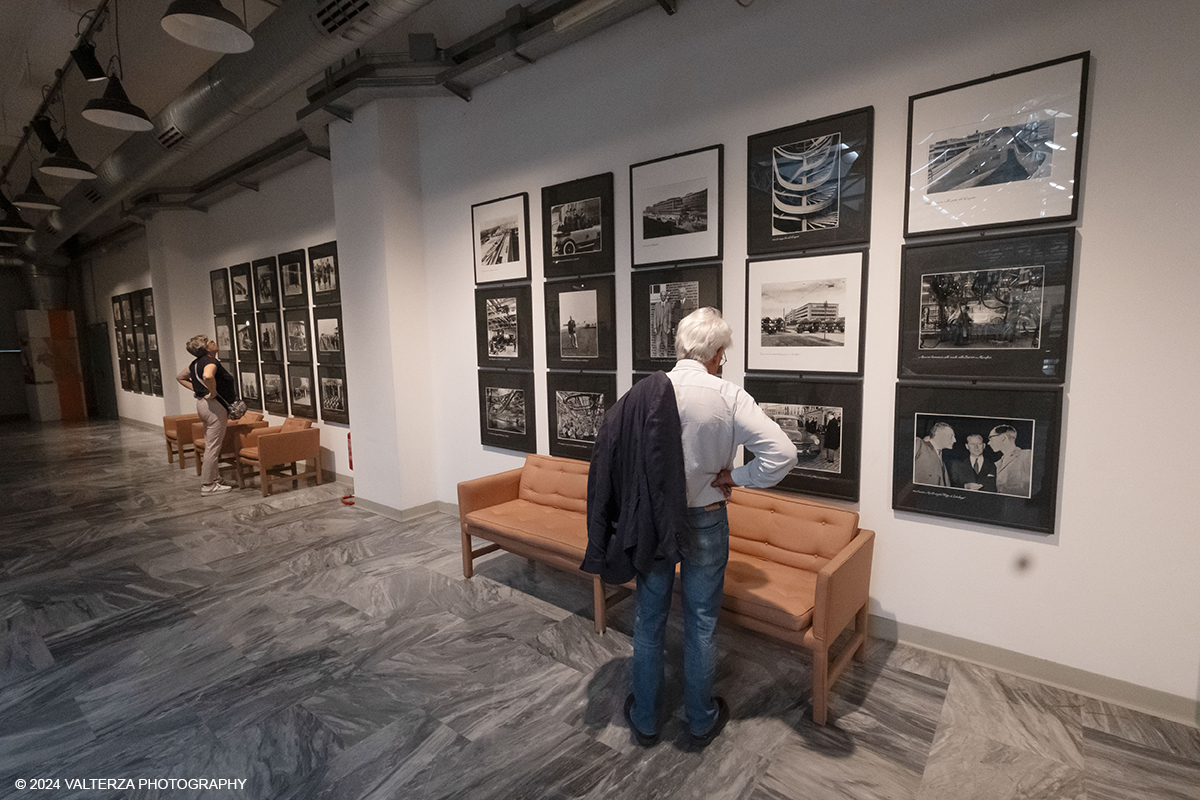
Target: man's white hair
(701, 334)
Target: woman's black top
(226, 385)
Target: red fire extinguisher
(349, 499)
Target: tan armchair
(178, 432)
(268, 451)
(234, 432)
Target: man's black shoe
(642, 739)
(718, 726)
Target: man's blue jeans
(702, 578)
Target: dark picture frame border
(118, 321)
(708, 248)
(277, 369)
(298, 370)
(287, 259)
(982, 403)
(144, 376)
(221, 275)
(238, 321)
(606, 317)
(593, 382)
(230, 355)
(488, 273)
(859, 126)
(580, 263)
(271, 356)
(291, 315)
(324, 372)
(329, 357)
(148, 310)
(524, 302)
(271, 265)
(242, 270)
(525, 442)
(331, 296)
(244, 367)
(710, 278)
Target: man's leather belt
(716, 505)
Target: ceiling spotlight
(114, 110)
(84, 57)
(65, 164)
(34, 198)
(44, 129)
(208, 25)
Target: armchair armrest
(182, 426)
(489, 490)
(171, 423)
(843, 587)
(252, 436)
(288, 446)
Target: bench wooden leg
(599, 604)
(820, 686)
(170, 453)
(860, 626)
(468, 560)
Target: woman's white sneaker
(215, 488)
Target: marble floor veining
(316, 650)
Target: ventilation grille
(50, 229)
(171, 138)
(336, 13)
(93, 195)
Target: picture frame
(249, 386)
(135, 301)
(328, 334)
(994, 308)
(504, 327)
(335, 398)
(123, 369)
(219, 282)
(241, 288)
(152, 342)
(809, 185)
(507, 411)
(823, 418)
(576, 403)
(118, 321)
(581, 324)
(156, 382)
(323, 269)
(265, 274)
(660, 299)
(275, 389)
(293, 279)
(127, 310)
(577, 227)
(223, 330)
(139, 337)
(270, 337)
(1019, 430)
(147, 298)
(302, 390)
(297, 335)
(676, 208)
(807, 314)
(119, 337)
(245, 337)
(500, 238)
(130, 344)
(144, 376)
(997, 151)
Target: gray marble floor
(315, 650)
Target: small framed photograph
(134, 372)
(135, 300)
(144, 376)
(576, 404)
(809, 185)
(240, 284)
(985, 454)
(218, 279)
(823, 418)
(500, 237)
(504, 326)
(127, 310)
(661, 298)
(297, 340)
(148, 306)
(156, 384)
(118, 321)
(675, 208)
(152, 343)
(224, 331)
(326, 287)
(293, 280)
(1002, 150)
(580, 329)
(270, 337)
(130, 344)
(245, 337)
(248, 382)
(506, 410)
(139, 338)
(994, 308)
(302, 390)
(120, 338)
(806, 314)
(577, 227)
(274, 389)
(328, 322)
(335, 402)
(266, 283)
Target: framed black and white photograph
(245, 337)
(806, 314)
(218, 280)
(326, 283)
(994, 308)
(504, 326)
(302, 390)
(270, 337)
(506, 410)
(274, 389)
(139, 338)
(148, 306)
(575, 405)
(224, 333)
(241, 288)
(297, 339)
(156, 383)
(580, 324)
(127, 310)
(266, 283)
(335, 400)
(130, 344)
(248, 384)
(152, 343)
(823, 418)
(144, 376)
(500, 238)
(118, 321)
(328, 334)
(661, 298)
(986, 454)
(120, 337)
(1002, 150)
(135, 300)
(809, 185)
(577, 227)
(676, 207)
(293, 279)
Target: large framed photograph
(504, 326)
(675, 208)
(500, 237)
(661, 298)
(823, 418)
(266, 283)
(1001, 150)
(293, 279)
(985, 454)
(809, 185)
(270, 337)
(218, 279)
(580, 324)
(224, 331)
(240, 284)
(274, 389)
(326, 284)
(576, 404)
(302, 390)
(328, 322)
(506, 410)
(577, 227)
(806, 314)
(245, 337)
(297, 339)
(994, 308)
(335, 401)
(248, 384)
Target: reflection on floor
(317, 650)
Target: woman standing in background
(214, 389)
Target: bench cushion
(774, 593)
(788, 531)
(554, 529)
(557, 483)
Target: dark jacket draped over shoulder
(637, 492)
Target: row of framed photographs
(133, 309)
(243, 288)
(576, 405)
(272, 337)
(290, 390)
(141, 375)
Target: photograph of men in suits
(973, 472)
(928, 467)
(1014, 470)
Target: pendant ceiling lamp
(65, 164)
(7, 240)
(84, 57)
(34, 198)
(208, 25)
(12, 221)
(114, 110)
